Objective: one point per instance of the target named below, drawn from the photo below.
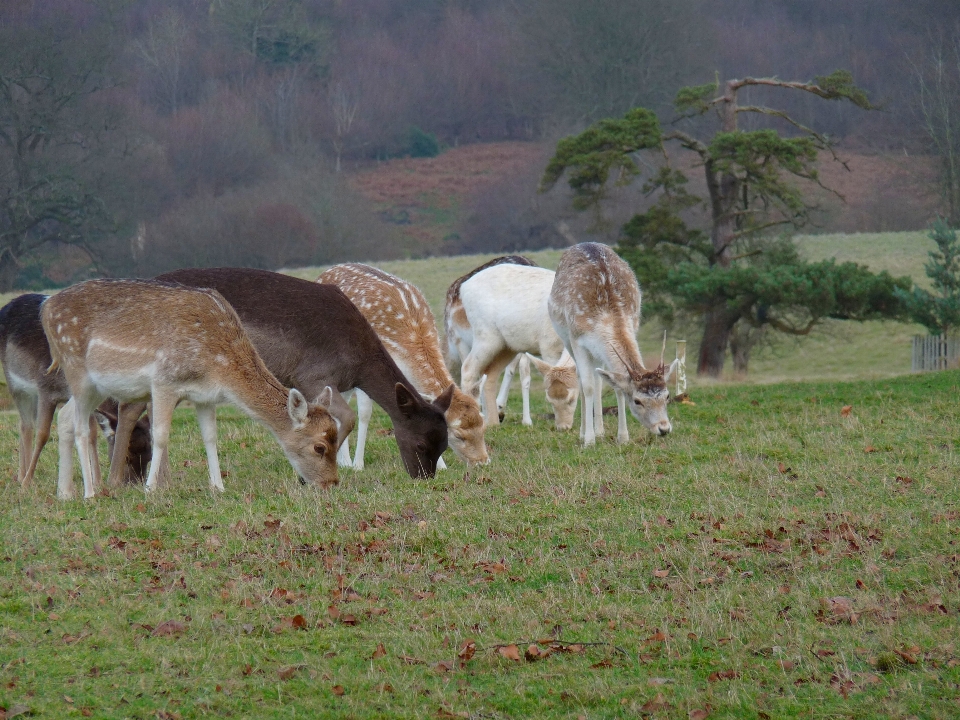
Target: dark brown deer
(135, 339)
(25, 355)
(310, 335)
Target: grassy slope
(837, 350)
(704, 553)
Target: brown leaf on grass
(718, 675)
(271, 525)
(906, 656)
(442, 712)
(443, 667)
(286, 673)
(905, 481)
(700, 714)
(869, 449)
(786, 665)
(534, 653)
(837, 610)
(334, 612)
(338, 690)
(169, 628)
(379, 652)
(661, 573)
(349, 619)
(247, 670)
(845, 410)
(510, 652)
(468, 649)
(605, 663)
(657, 704)
(408, 660)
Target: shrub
(422, 144)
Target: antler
(663, 350)
(634, 376)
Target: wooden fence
(935, 352)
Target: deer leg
(598, 407)
(85, 402)
(127, 416)
(207, 418)
(161, 416)
(585, 373)
(97, 477)
(343, 452)
(508, 372)
(474, 366)
(65, 435)
(364, 413)
(493, 370)
(525, 387)
(27, 407)
(623, 435)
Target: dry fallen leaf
(168, 628)
(379, 652)
(700, 714)
(467, 649)
(510, 652)
(845, 410)
(337, 690)
(289, 671)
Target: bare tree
(938, 104)
(345, 109)
(162, 50)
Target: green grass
(691, 567)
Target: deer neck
(621, 347)
(260, 394)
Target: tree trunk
(717, 324)
(741, 343)
(9, 268)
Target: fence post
(681, 366)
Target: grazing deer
(595, 307)
(310, 336)
(25, 355)
(401, 317)
(134, 339)
(505, 313)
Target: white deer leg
(65, 419)
(207, 419)
(84, 405)
(161, 416)
(623, 435)
(598, 406)
(364, 413)
(585, 372)
(343, 453)
(525, 387)
(508, 372)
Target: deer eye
(422, 446)
(320, 450)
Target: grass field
(775, 557)
(791, 550)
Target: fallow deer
(505, 308)
(135, 339)
(310, 335)
(595, 307)
(25, 355)
(401, 317)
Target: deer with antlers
(134, 339)
(595, 308)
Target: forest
(137, 136)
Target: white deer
(494, 315)
(595, 308)
(401, 317)
(134, 339)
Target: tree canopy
(740, 274)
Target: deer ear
(325, 397)
(614, 378)
(405, 400)
(297, 408)
(671, 369)
(442, 403)
(543, 367)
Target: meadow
(791, 550)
